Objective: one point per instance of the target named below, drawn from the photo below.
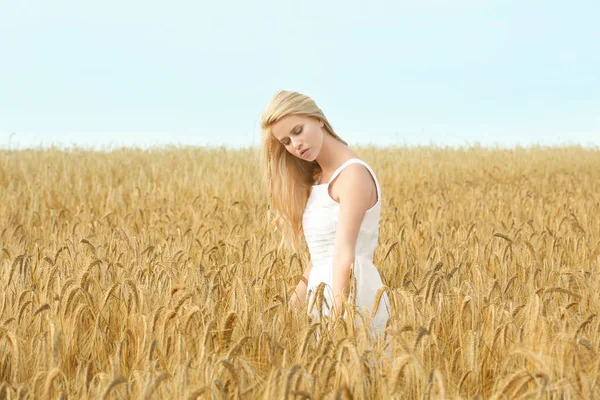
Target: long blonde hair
(288, 179)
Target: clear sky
(448, 73)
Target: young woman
(316, 183)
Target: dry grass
(152, 275)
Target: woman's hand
(299, 295)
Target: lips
(304, 152)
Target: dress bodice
(321, 218)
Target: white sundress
(320, 221)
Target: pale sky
(448, 73)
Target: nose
(296, 144)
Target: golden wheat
(152, 274)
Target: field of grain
(153, 274)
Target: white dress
(320, 222)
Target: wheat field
(153, 274)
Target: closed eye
(296, 133)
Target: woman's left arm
(355, 187)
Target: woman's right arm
(299, 295)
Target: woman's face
(301, 135)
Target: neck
(333, 153)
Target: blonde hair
(288, 179)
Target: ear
(321, 123)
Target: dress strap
(356, 161)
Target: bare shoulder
(355, 173)
(354, 180)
